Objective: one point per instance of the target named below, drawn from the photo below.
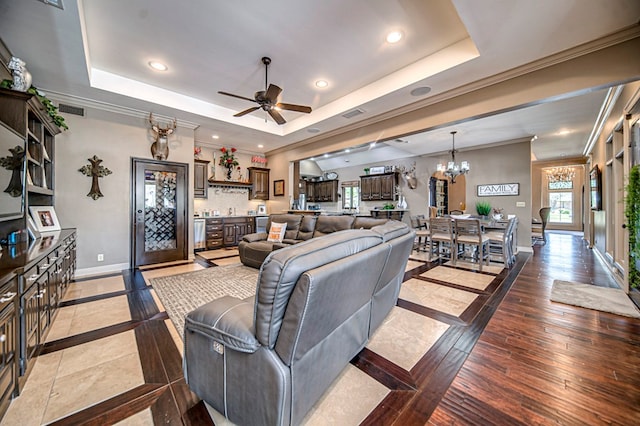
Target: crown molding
(117, 109)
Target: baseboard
(526, 249)
(101, 270)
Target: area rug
(589, 296)
(182, 293)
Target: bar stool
(442, 236)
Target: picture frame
(278, 187)
(33, 229)
(44, 218)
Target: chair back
(468, 228)
(457, 212)
(441, 228)
(544, 212)
(433, 212)
(417, 221)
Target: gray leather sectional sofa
(266, 360)
(254, 248)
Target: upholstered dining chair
(468, 232)
(538, 230)
(442, 239)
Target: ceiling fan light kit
(267, 99)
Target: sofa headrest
(282, 268)
(307, 226)
(392, 229)
(368, 222)
(328, 224)
(292, 220)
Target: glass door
(159, 216)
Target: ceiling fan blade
(276, 116)
(246, 111)
(293, 107)
(237, 96)
(272, 93)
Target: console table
(33, 280)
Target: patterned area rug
(589, 296)
(182, 293)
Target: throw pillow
(276, 232)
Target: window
(350, 195)
(561, 204)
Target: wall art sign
(496, 189)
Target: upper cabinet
(259, 178)
(323, 191)
(378, 187)
(200, 183)
(24, 113)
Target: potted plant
(366, 170)
(483, 208)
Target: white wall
(103, 225)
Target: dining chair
(442, 239)
(468, 232)
(501, 241)
(423, 234)
(455, 212)
(538, 230)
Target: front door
(159, 226)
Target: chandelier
(453, 169)
(561, 174)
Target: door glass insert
(160, 215)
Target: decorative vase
(229, 170)
(403, 203)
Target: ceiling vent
(71, 109)
(353, 113)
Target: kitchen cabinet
(323, 191)
(227, 231)
(259, 178)
(200, 182)
(235, 228)
(378, 187)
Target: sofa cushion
(282, 269)
(307, 226)
(368, 222)
(292, 221)
(276, 232)
(330, 224)
(391, 229)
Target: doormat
(589, 296)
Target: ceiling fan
(267, 99)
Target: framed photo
(278, 187)
(45, 218)
(33, 229)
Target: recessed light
(313, 130)
(260, 146)
(312, 158)
(326, 155)
(394, 37)
(564, 132)
(420, 91)
(215, 137)
(158, 66)
(347, 150)
(322, 84)
(372, 144)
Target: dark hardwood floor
(512, 358)
(539, 362)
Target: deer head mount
(160, 147)
(409, 176)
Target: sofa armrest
(256, 236)
(226, 320)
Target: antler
(160, 130)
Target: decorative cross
(95, 170)
(14, 163)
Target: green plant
(483, 208)
(388, 206)
(366, 170)
(52, 110)
(632, 213)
